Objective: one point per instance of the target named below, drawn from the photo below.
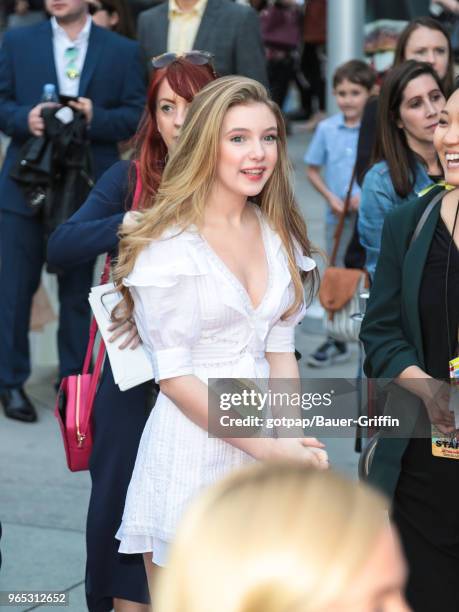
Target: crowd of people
(215, 267)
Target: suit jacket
(229, 30)
(391, 329)
(112, 77)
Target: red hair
(185, 79)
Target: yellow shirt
(183, 26)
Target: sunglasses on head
(197, 58)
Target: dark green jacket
(391, 330)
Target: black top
(432, 305)
(435, 177)
(427, 495)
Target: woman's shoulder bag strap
(425, 215)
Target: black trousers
(22, 255)
(312, 70)
(280, 73)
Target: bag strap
(342, 219)
(93, 328)
(138, 187)
(425, 215)
(100, 354)
(93, 385)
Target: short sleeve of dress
(281, 338)
(163, 287)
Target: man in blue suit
(105, 73)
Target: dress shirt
(61, 42)
(183, 26)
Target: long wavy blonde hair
(271, 538)
(190, 174)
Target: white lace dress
(195, 317)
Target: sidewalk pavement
(43, 505)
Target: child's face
(351, 99)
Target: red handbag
(75, 398)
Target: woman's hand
(434, 394)
(307, 450)
(128, 328)
(437, 406)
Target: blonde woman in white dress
(213, 274)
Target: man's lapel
(160, 29)
(45, 54)
(95, 45)
(207, 26)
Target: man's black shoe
(17, 405)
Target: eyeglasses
(70, 56)
(197, 58)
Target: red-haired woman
(114, 580)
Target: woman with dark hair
(114, 15)
(425, 40)
(112, 579)
(405, 161)
(410, 333)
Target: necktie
(71, 70)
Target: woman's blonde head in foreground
(191, 171)
(272, 538)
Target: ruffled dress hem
(140, 544)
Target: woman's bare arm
(190, 395)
